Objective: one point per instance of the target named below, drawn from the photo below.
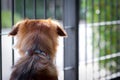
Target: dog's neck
(37, 51)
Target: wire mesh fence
(99, 29)
(100, 22)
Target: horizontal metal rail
(100, 58)
(100, 23)
(109, 77)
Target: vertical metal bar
(24, 8)
(55, 9)
(85, 15)
(111, 26)
(117, 35)
(0, 41)
(99, 41)
(45, 9)
(78, 3)
(71, 47)
(35, 9)
(118, 18)
(105, 19)
(86, 38)
(77, 38)
(12, 25)
(93, 54)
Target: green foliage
(7, 19)
(106, 37)
(100, 10)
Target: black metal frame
(71, 47)
(0, 44)
(12, 12)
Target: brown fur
(41, 34)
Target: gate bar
(71, 47)
(45, 9)
(12, 12)
(24, 8)
(0, 42)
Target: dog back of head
(43, 33)
(35, 35)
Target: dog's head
(42, 34)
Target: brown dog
(37, 43)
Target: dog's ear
(14, 31)
(61, 31)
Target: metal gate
(92, 48)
